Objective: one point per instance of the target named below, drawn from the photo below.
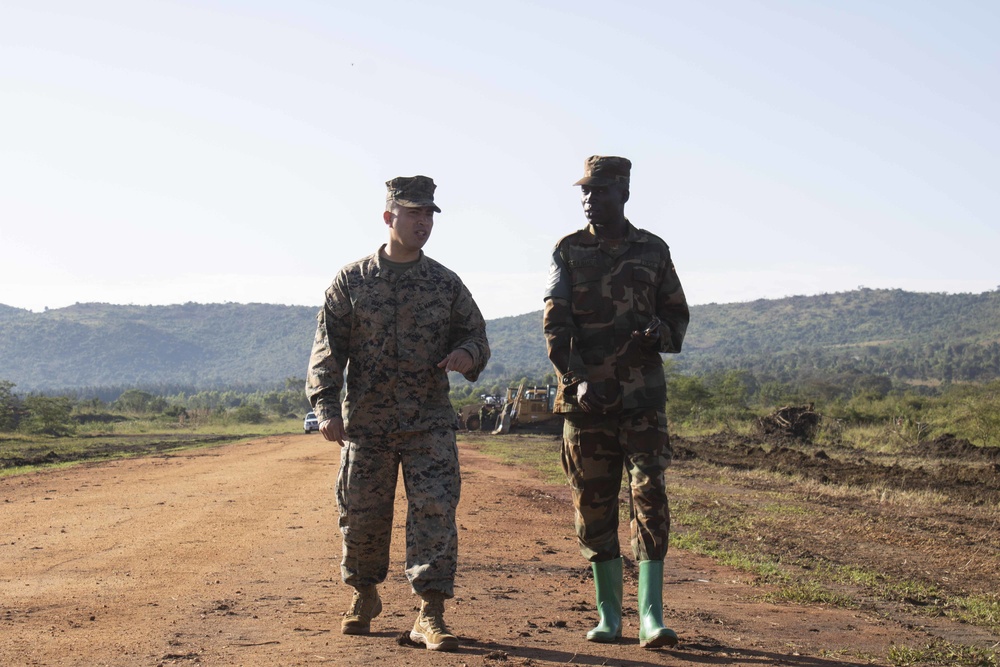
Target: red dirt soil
(230, 556)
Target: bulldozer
(523, 408)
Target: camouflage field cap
(412, 191)
(604, 170)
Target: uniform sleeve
(325, 375)
(672, 309)
(468, 332)
(559, 284)
(558, 325)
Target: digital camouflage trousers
(366, 491)
(596, 449)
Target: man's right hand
(333, 430)
(589, 399)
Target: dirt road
(229, 556)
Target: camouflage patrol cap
(604, 170)
(411, 191)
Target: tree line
(721, 399)
(61, 414)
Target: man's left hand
(650, 336)
(647, 339)
(459, 361)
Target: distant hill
(197, 345)
(907, 336)
(910, 337)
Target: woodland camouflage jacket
(597, 295)
(389, 333)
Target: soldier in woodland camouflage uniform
(396, 322)
(612, 305)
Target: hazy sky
(156, 152)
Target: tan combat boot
(430, 629)
(365, 606)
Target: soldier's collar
(417, 270)
(631, 234)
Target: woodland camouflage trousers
(596, 448)
(366, 489)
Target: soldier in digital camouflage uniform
(612, 305)
(396, 322)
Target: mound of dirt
(947, 446)
(966, 478)
(793, 421)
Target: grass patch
(767, 570)
(940, 652)
(857, 576)
(540, 452)
(978, 609)
(909, 591)
(809, 592)
(788, 510)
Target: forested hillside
(904, 336)
(195, 345)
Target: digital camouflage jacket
(388, 333)
(598, 294)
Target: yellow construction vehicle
(523, 408)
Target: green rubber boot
(652, 633)
(608, 582)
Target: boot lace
(433, 613)
(361, 604)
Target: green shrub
(249, 414)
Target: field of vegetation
(46, 430)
